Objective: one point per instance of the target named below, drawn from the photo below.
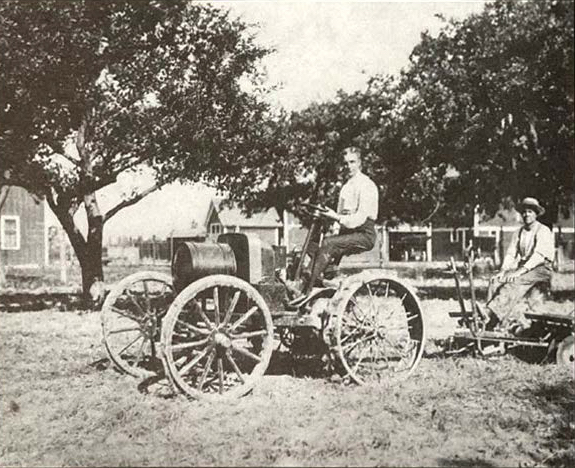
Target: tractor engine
(236, 254)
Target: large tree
(492, 105)
(90, 90)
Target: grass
(417, 273)
(61, 404)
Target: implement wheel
(566, 351)
(217, 338)
(379, 330)
(131, 316)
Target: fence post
(171, 246)
(63, 260)
(429, 243)
(384, 251)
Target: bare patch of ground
(60, 404)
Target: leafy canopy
(482, 115)
(125, 83)
(493, 102)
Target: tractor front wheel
(217, 338)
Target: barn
(23, 232)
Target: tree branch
(132, 201)
(427, 218)
(533, 133)
(74, 161)
(4, 190)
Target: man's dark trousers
(347, 242)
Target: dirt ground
(62, 405)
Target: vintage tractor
(216, 321)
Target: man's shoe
(303, 297)
(492, 323)
(331, 283)
(294, 287)
(519, 328)
(298, 300)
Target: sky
(320, 47)
(325, 46)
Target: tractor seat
(542, 287)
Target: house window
(215, 229)
(10, 232)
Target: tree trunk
(88, 251)
(92, 273)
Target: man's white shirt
(530, 248)
(358, 200)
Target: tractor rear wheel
(566, 351)
(131, 316)
(379, 328)
(217, 338)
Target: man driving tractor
(356, 214)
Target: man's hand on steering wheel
(321, 211)
(331, 214)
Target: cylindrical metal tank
(194, 260)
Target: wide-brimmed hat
(533, 203)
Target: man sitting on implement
(528, 261)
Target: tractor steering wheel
(316, 211)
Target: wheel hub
(222, 341)
(149, 326)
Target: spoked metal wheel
(217, 338)
(379, 331)
(131, 319)
(566, 351)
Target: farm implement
(549, 336)
(215, 322)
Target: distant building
(23, 232)
(489, 236)
(496, 232)
(565, 238)
(223, 219)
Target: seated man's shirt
(530, 248)
(358, 201)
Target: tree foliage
(90, 90)
(493, 102)
(482, 115)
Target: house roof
(233, 216)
